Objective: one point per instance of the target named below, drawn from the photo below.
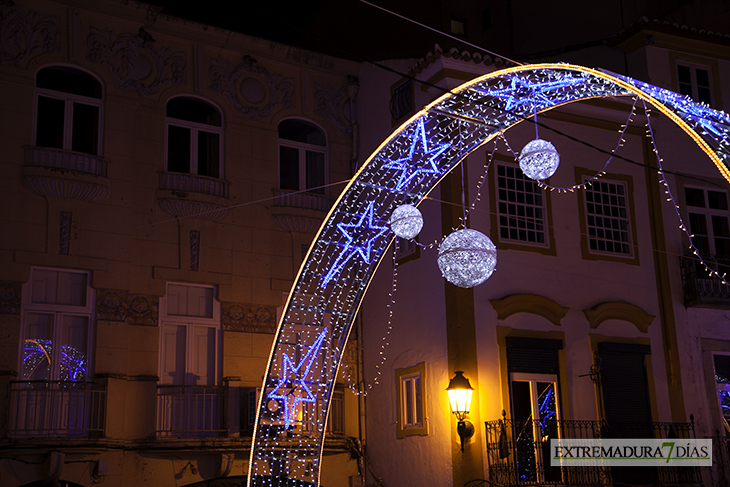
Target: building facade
(162, 180)
(599, 321)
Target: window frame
(58, 311)
(508, 244)
(708, 213)
(302, 148)
(581, 176)
(682, 59)
(416, 428)
(69, 99)
(190, 322)
(195, 128)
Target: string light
(349, 245)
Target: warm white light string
(670, 197)
(379, 367)
(482, 180)
(602, 172)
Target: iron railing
(302, 199)
(57, 408)
(518, 453)
(193, 183)
(191, 411)
(65, 160)
(698, 285)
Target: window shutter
(623, 382)
(533, 355)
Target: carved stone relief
(135, 309)
(331, 103)
(247, 82)
(10, 297)
(249, 318)
(135, 62)
(24, 35)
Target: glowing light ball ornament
(467, 258)
(539, 160)
(406, 221)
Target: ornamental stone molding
(251, 89)
(121, 306)
(248, 318)
(194, 209)
(23, 36)
(329, 103)
(619, 310)
(10, 297)
(529, 303)
(133, 59)
(73, 186)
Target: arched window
(302, 156)
(194, 137)
(68, 110)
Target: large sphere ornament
(539, 160)
(406, 221)
(467, 258)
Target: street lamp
(460, 392)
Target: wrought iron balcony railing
(518, 453)
(191, 411)
(302, 199)
(701, 288)
(57, 409)
(193, 183)
(65, 160)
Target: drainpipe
(353, 86)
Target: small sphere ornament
(406, 221)
(467, 258)
(539, 160)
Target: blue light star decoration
(713, 121)
(356, 245)
(299, 390)
(409, 171)
(526, 95)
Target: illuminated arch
(289, 433)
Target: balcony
(191, 411)
(518, 453)
(701, 290)
(191, 195)
(299, 211)
(65, 174)
(57, 409)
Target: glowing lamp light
(406, 221)
(467, 258)
(539, 160)
(460, 391)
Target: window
(53, 396)
(694, 81)
(189, 401)
(520, 207)
(302, 156)
(458, 27)
(533, 365)
(608, 226)
(708, 221)
(68, 110)
(412, 419)
(401, 100)
(189, 335)
(722, 384)
(56, 344)
(194, 137)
